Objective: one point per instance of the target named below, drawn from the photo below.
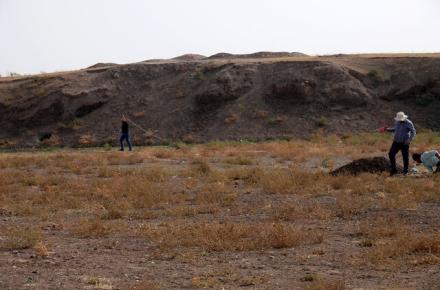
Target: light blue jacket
(404, 132)
(430, 159)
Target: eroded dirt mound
(261, 54)
(370, 165)
(102, 64)
(201, 100)
(190, 56)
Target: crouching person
(429, 159)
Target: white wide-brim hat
(401, 116)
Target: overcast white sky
(52, 35)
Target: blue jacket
(430, 159)
(404, 132)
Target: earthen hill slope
(196, 98)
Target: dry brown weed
(232, 236)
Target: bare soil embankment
(195, 98)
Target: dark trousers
(395, 148)
(125, 137)
(437, 170)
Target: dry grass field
(220, 215)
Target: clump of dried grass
(219, 277)
(283, 180)
(383, 226)
(138, 192)
(392, 240)
(232, 236)
(164, 153)
(41, 249)
(114, 211)
(18, 238)
(200, 167)
(152, 174)
(347, 205)
(190, 211)
(146, 284)
(122, 159)
(302, 210)
(318, 283)
(91, 228)
(216, 193)
(239, 160)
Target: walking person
(404, 133)
(124, 134)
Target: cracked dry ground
(221, 216)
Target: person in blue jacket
(429, 159)
(404, 133)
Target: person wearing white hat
(404, 133)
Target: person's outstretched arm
(390, 129)
(386, 129)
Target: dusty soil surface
(211, 217)
(223, 97)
